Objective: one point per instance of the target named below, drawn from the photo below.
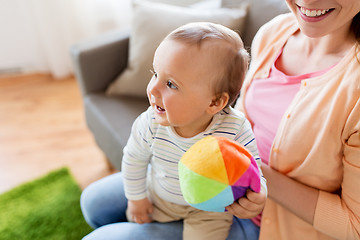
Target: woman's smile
(314, 15)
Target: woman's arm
(296, 197)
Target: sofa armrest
(98, 61)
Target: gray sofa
(98, 62)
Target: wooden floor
(42, 128)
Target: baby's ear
(218, 103)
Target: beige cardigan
(317, 142)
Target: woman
(304, 80)
(301, 95)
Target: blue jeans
(103, 204)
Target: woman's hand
(139, 210)
(248, 206)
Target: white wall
(16, 41)
(35, 35)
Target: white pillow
(150, 24)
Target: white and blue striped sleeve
(136, 158)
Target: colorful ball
(215, 172)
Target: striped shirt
(161, 148)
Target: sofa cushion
(150, 24)
(260, 12)
(110, 120)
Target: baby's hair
(235, 58)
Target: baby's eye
(169, 84)
(153, 73)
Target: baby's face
(181, 89)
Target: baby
(198, 72)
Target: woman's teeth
(313, 13)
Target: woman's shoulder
(273, 34)
(282, 21)
(349, 72)
(280, 26)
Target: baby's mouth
(160, 109)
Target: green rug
(46, 208)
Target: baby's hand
(138, 210)
(248, 206)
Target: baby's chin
(161, 121)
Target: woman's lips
(314, 15)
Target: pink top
(266, 102)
